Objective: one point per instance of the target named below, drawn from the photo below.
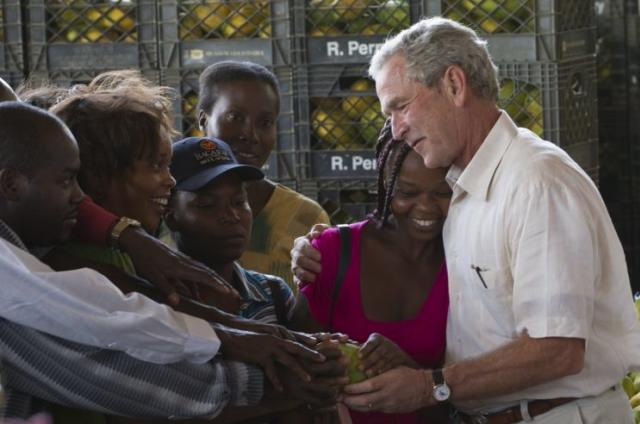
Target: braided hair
(390, 154)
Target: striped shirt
(112, 382)
(36, 364)
(258, 301)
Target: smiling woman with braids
(395, 285)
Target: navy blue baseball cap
(199, 160)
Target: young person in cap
(210, 217)
(211, 221)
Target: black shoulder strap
(343, 263)
(279, 303)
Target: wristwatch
(122, 224)
(441, 391)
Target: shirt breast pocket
(493, 289)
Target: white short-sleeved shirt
(530, 246)
(85, 307)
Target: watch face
(441, 392)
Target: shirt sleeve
(554, 247)
(112, 382)
(289, 298)
(318, 293)
(85, 307)
(94, 223)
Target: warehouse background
(569, 71)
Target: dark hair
(23, 130)
(390, 154)
(222, 73)
(115, 121)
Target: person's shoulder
(297, 207)
(537, 162)
(287, 194)
(264, 280)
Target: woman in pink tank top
(394, 294)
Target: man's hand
(400, 390)
(305, 259)
(327, 378)
(266, 351)
(170, 270)
(333, 371)
(272, 329)
(379, 354)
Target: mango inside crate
(80, 21)
(351, 122)
(224, 19)
(354, 122)
(492, 16)
(363, 17)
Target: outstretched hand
(326, 378)
(267, 351)
(379, 354)
(169, 270)
(273, 329)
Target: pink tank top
(422, 337)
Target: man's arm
(127, 283)
(154, 261)
(83, 306)
(115, 383)
(522, 363)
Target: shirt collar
(9, 235)
(476, 178)
(248, 292)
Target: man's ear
(455, 86)
(202, 120)
(13, 184)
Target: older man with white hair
(541, 322)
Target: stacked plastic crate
(544, 49)
(71, 41)
(338, 115)
(545, 52)
(618, 59)
(11, 42)
(195, 33)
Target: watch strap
(437, 376)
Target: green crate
(196, 33)
(534, 30)
(81, 34)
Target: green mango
(354, 373)
(628, 386)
